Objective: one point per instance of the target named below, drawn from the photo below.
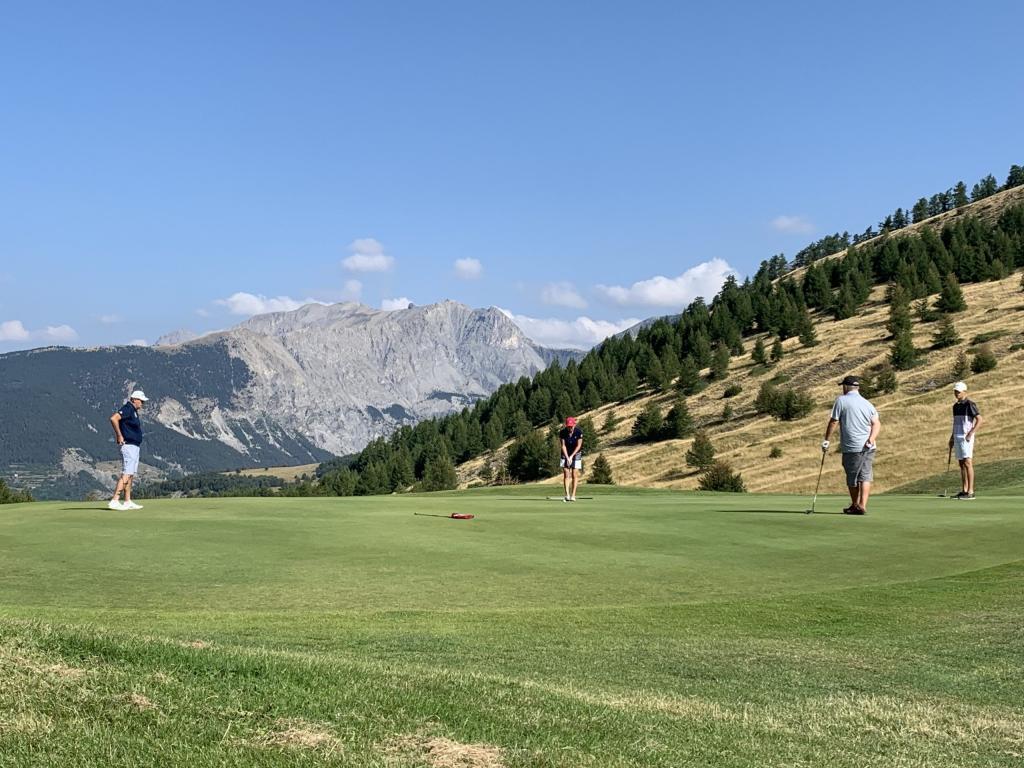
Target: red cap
(570, 421)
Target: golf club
(816, 485)
(452, 516)
(949, 463)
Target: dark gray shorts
(859, 467)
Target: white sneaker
(132, 505)
(115, 504)
(572, 498)
(565, 498)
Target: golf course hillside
(916, 418)
(630, 628)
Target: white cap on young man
(960, 387)
(138, 394)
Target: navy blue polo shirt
(571, 438)
(131, 424)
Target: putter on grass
(816, 486)
(452, 516)
(949, 463)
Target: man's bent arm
(115, 422)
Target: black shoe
(853, 509)
(968, 497)
(962, 495)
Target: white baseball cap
(960, 387)
(138, 394)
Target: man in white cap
(128, 433)
(966, 420)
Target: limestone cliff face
(342, 374)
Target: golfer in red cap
(571, 461)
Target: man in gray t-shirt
(858, 426)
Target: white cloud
(367, 256)
(247, 304)
(203, 312)
(468, 269)
(13, 330)
(352, 290)
(674, 292)
(563, 294)
(390, 305)
(58, 333)
(581, 333)
(110, 319)
(792, 224)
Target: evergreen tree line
(10, 495)
(925, 207)
(704, 336)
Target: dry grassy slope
(915, 419)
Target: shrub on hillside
(732, 390)
(721, 477)
(984, 359)
(601, 472)
(783, 404)
(701, 454)
(775, 452)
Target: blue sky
(578, 164)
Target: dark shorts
(859, 467)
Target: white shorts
(130, 457)
(577, 462)
(963, 449)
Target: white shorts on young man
(130, 459)
(577, 462)
(964, 449)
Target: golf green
(633, 628)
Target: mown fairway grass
(633, 629)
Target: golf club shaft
(817, 485)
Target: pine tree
(440, 474)
(600, 472)
(899, 310)
(945, 334)
(902, 353)
(591, 441)
(924, 312)
(961, 367)
(678, 422)
(777, 350)
(951, 299)
(720, 363)
(960, 195)
(758, 354)
(630, 381)
(701, 454)
(610, 422)
(689, 381)
(808, 334)
(648, 425)
(920, 210)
